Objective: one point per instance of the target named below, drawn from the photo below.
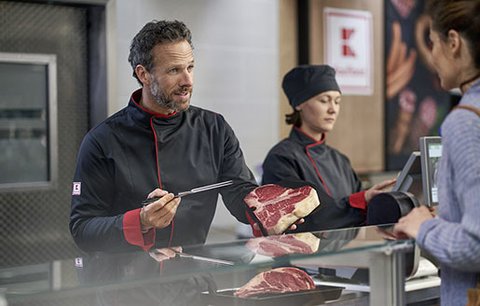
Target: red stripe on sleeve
(132, 230)
(357, 200)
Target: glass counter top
(176, 270)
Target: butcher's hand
(292, 227)
(379, 188)
(159, 214)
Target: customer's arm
(458, 244)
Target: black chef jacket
(300, 157)
(135, 151)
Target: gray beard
(162, 99)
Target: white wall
(236, 63)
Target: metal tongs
(192, 191)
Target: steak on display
(274, 246)
(279, 280)
(277, 207)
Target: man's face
(171, 79)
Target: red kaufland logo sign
(348, 41)
(346, 47)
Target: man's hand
(294, 226)
(159, 214)
(256, 227)
(164, 253)
(378, 188)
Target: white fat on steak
(277, 207)
(274, 246)
(279, 280)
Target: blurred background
(64, 68)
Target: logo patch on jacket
(79, 262)
(77, 188)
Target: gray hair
(152, 34)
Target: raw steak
(274, 246)
(277, 280)
(277, 207)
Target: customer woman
(453, 237)
(315, 97)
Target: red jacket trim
(137, 96)
(132, 230)
(357, 200)
(312, 161)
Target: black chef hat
(306, 81)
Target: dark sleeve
(92, 224)
(332, 213)
(357, 197)
(277, 167)
(234, 168)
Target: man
(158, 142)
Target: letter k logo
(347, 51)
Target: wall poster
(348, 48)
(415, 103)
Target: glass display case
(361, 265)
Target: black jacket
(133, 152)
(301, 158)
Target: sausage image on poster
(415, 103)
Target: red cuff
(357, 200)
(256, 232)
(132, 230)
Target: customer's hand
(379, 188)
(410, 224)
(159, 214)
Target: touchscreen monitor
(430, 151)
(410, 178)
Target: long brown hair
(462, 16)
